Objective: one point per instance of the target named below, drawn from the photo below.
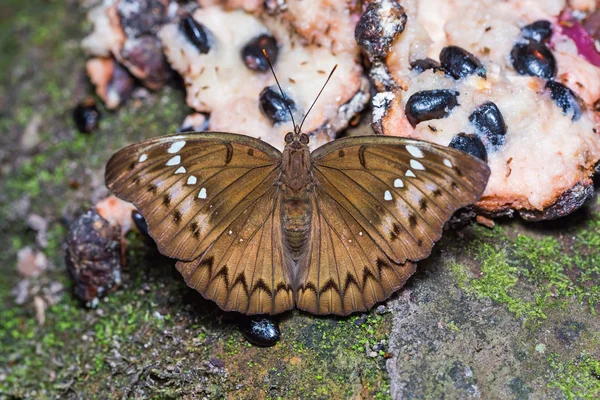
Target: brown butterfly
(259, 231)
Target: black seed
(488, 121)
(341, 153)
(86, 116)
(250, 152)
(260, 330)
(252, 53)
(423, 204)
(273, 105)
(196, 33)
(424, 64)
(470, 144)
(430, 104)
(533, 59)
(537, 31)
(140, 222)
(459, 63)
(566, 99)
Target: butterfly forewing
(191, 187)
(400, 191)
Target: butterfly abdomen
(296, 218)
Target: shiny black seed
(488, 121)
(533, 59)
(566, 99)
(424, 64)
(537, 31)
(470, 144)
(274, 106)
(430, 104)
(140, 222)
(260, 330)
(253, 56)
(458, 63)
(196, 33)
(86, 116)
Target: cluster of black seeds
(272, 104)
(426, 105)
(531, 56)
(454, 61)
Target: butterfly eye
(304, 138)
(289, 137)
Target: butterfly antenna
(280, 89)
(317, 98)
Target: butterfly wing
(211, 201)
(190, 187)
(379, 203)
(245, 269)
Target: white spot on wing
(410, 173)
(180, 170)
(447, 163)
(174, 161)
(416, 165)
(387, 196)
(176, 146)
(143, 157)
(398, 183)
(192, 180)
(202, 194)
(414, 151)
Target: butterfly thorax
(296, 181)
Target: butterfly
(261, 231)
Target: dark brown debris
(93, 256)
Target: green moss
(578, 379)
(531, 275)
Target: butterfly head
(296, 137)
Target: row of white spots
(143, 157)
(180, 170)
(447, 163)
(414, 151)
(202, 194)
(410, 173)
(192, 180)
(398, 183)
(176, 147)
(387, 196)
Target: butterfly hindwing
(244, 269)
(345, 269)
(191, 187)
(379, 203)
